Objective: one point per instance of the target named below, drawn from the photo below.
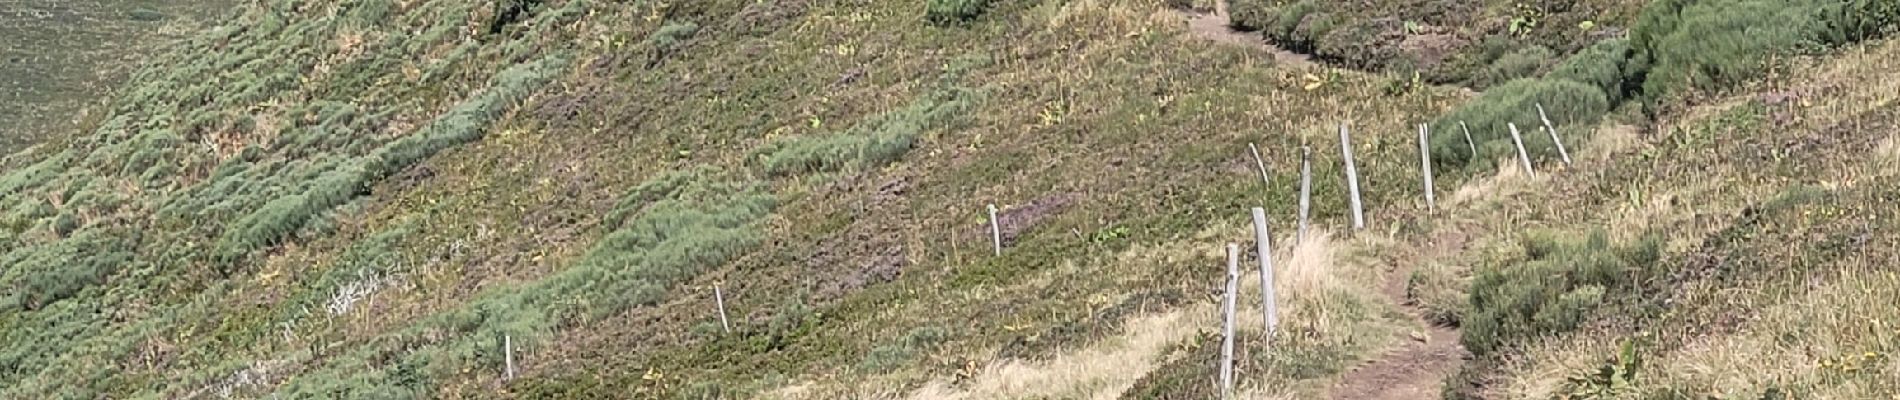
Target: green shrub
(466, 122)
(1567, 102)
(672, 34)
(886, 357)
(38, 276)
(1367, 44)
(1247, 15)
(1559, 282)
(873, 143)
(1849, 21)
(1522, 63)
(1709, 45)
(1308, 29)
(1289, 18)
(946, 12)
(1600, 65)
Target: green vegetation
(367, 198)
(61, 58)
(873, 143)
(1568, 103)
(466, 122)
(1522, 63)
(1559, 282)
(1447, 42)
(944, 12)
(1689, 47)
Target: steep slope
(60, 57)
(368, 198)
(419, 199)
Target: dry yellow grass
(1102, 371)
(1309, 278)
(1509, 180)
(1831, 341)
(1834, 337)
(1609, 141)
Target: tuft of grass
(1438, 290)
(1601, 65)
(1524, 62)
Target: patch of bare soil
(1216, 26)
(1418, 369)
(1015, 220)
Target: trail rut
(1416, 370)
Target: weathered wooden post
(508, 356)
(1425, 164)
(1352, 177)
(1263, 240)
(1306, 189)
(1260, 163)
(720, 297)
(1227, 328)
(1468, 142)
(1521, 155)
(996, 230)
(1553, 134)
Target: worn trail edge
(1417, 369)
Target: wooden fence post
(508, 355)
(1306, 189)
(1227, 329)
(996, 230)
(1425, 164)
(1262, 163)
(720, 297)
(1553, 134)
(1521, 155)
(1468, 142)
(1352, 177)
(1263, 240)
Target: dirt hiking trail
(1215, 26)
(1417, 368)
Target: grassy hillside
(363, 198)
(1732, 254)
(60, 58)
(371, 198)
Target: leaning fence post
(1352, 177)
(508, 356)
(1227, 328)
(1263, 239)
(1468, 142)
(996, 230)
(1425, 164)
(1261, 163)
(1553, 133)
(1306, 189)
(1521, 155)
(720, 297)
